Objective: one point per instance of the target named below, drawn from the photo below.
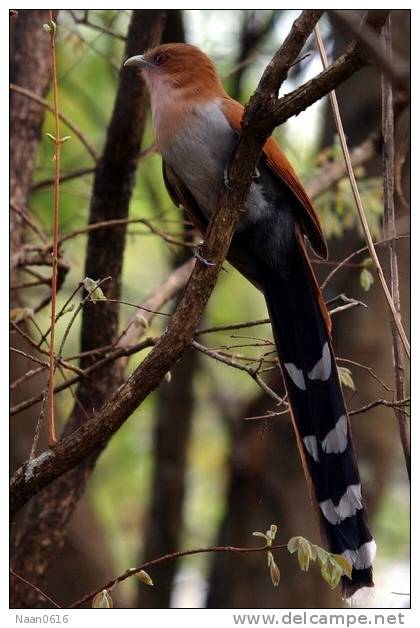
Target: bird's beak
(138, 62)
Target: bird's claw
(202, 259)
(226, 178)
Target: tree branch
(167, 557)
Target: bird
(197, 126)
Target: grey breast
(199, 156)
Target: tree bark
(30, 68)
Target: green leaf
(346, 377)
(322, 555)
(331, 571)
(366, 279)
(51, 137)
(66, 138)
(326, 572)
(102, 600)
(367, 262)
(303, 556)
(293, 544)
(144, 577)
(336, 574)
(344, 564)
(95, 292)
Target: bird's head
(180, 68)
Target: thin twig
(88, 297)
(31, 373)
(120, 352)
(363, 249)
(69, 123)
(368, 369)
(38, 426)
(104, 30)
(358, 200)
(68, 176)
(253, 372)
(168, 557)
(52, 440)
(389, 231)
(61, 313)
(397, 71)
(29, 584)
(381, 402)
(28, 220)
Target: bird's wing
(181, 196)
(281, 167)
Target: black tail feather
(319, 413)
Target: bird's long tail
(300, 326)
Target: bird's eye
(159, 59)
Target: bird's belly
(199, 155)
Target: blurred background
(187, 470)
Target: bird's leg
(255, 176)
(198, 255)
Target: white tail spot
(322, 369)
(335, 441)
(363, 557)
(296, 375)
(348, 505)
(311, 445)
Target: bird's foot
(226, 178)
(202, 259)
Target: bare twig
(363, 249)
(120, 352)
(396, 70)
(77, 310)
(52, 439)
(253, 372)
(28, 220)
(69, 123)
(389, 232)
(68, 176)
(368, 369)
(37, 589)
(381, 402)
(104, 30)
(358, 200)
(38, 426)
(31, 373)
(107, 224)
